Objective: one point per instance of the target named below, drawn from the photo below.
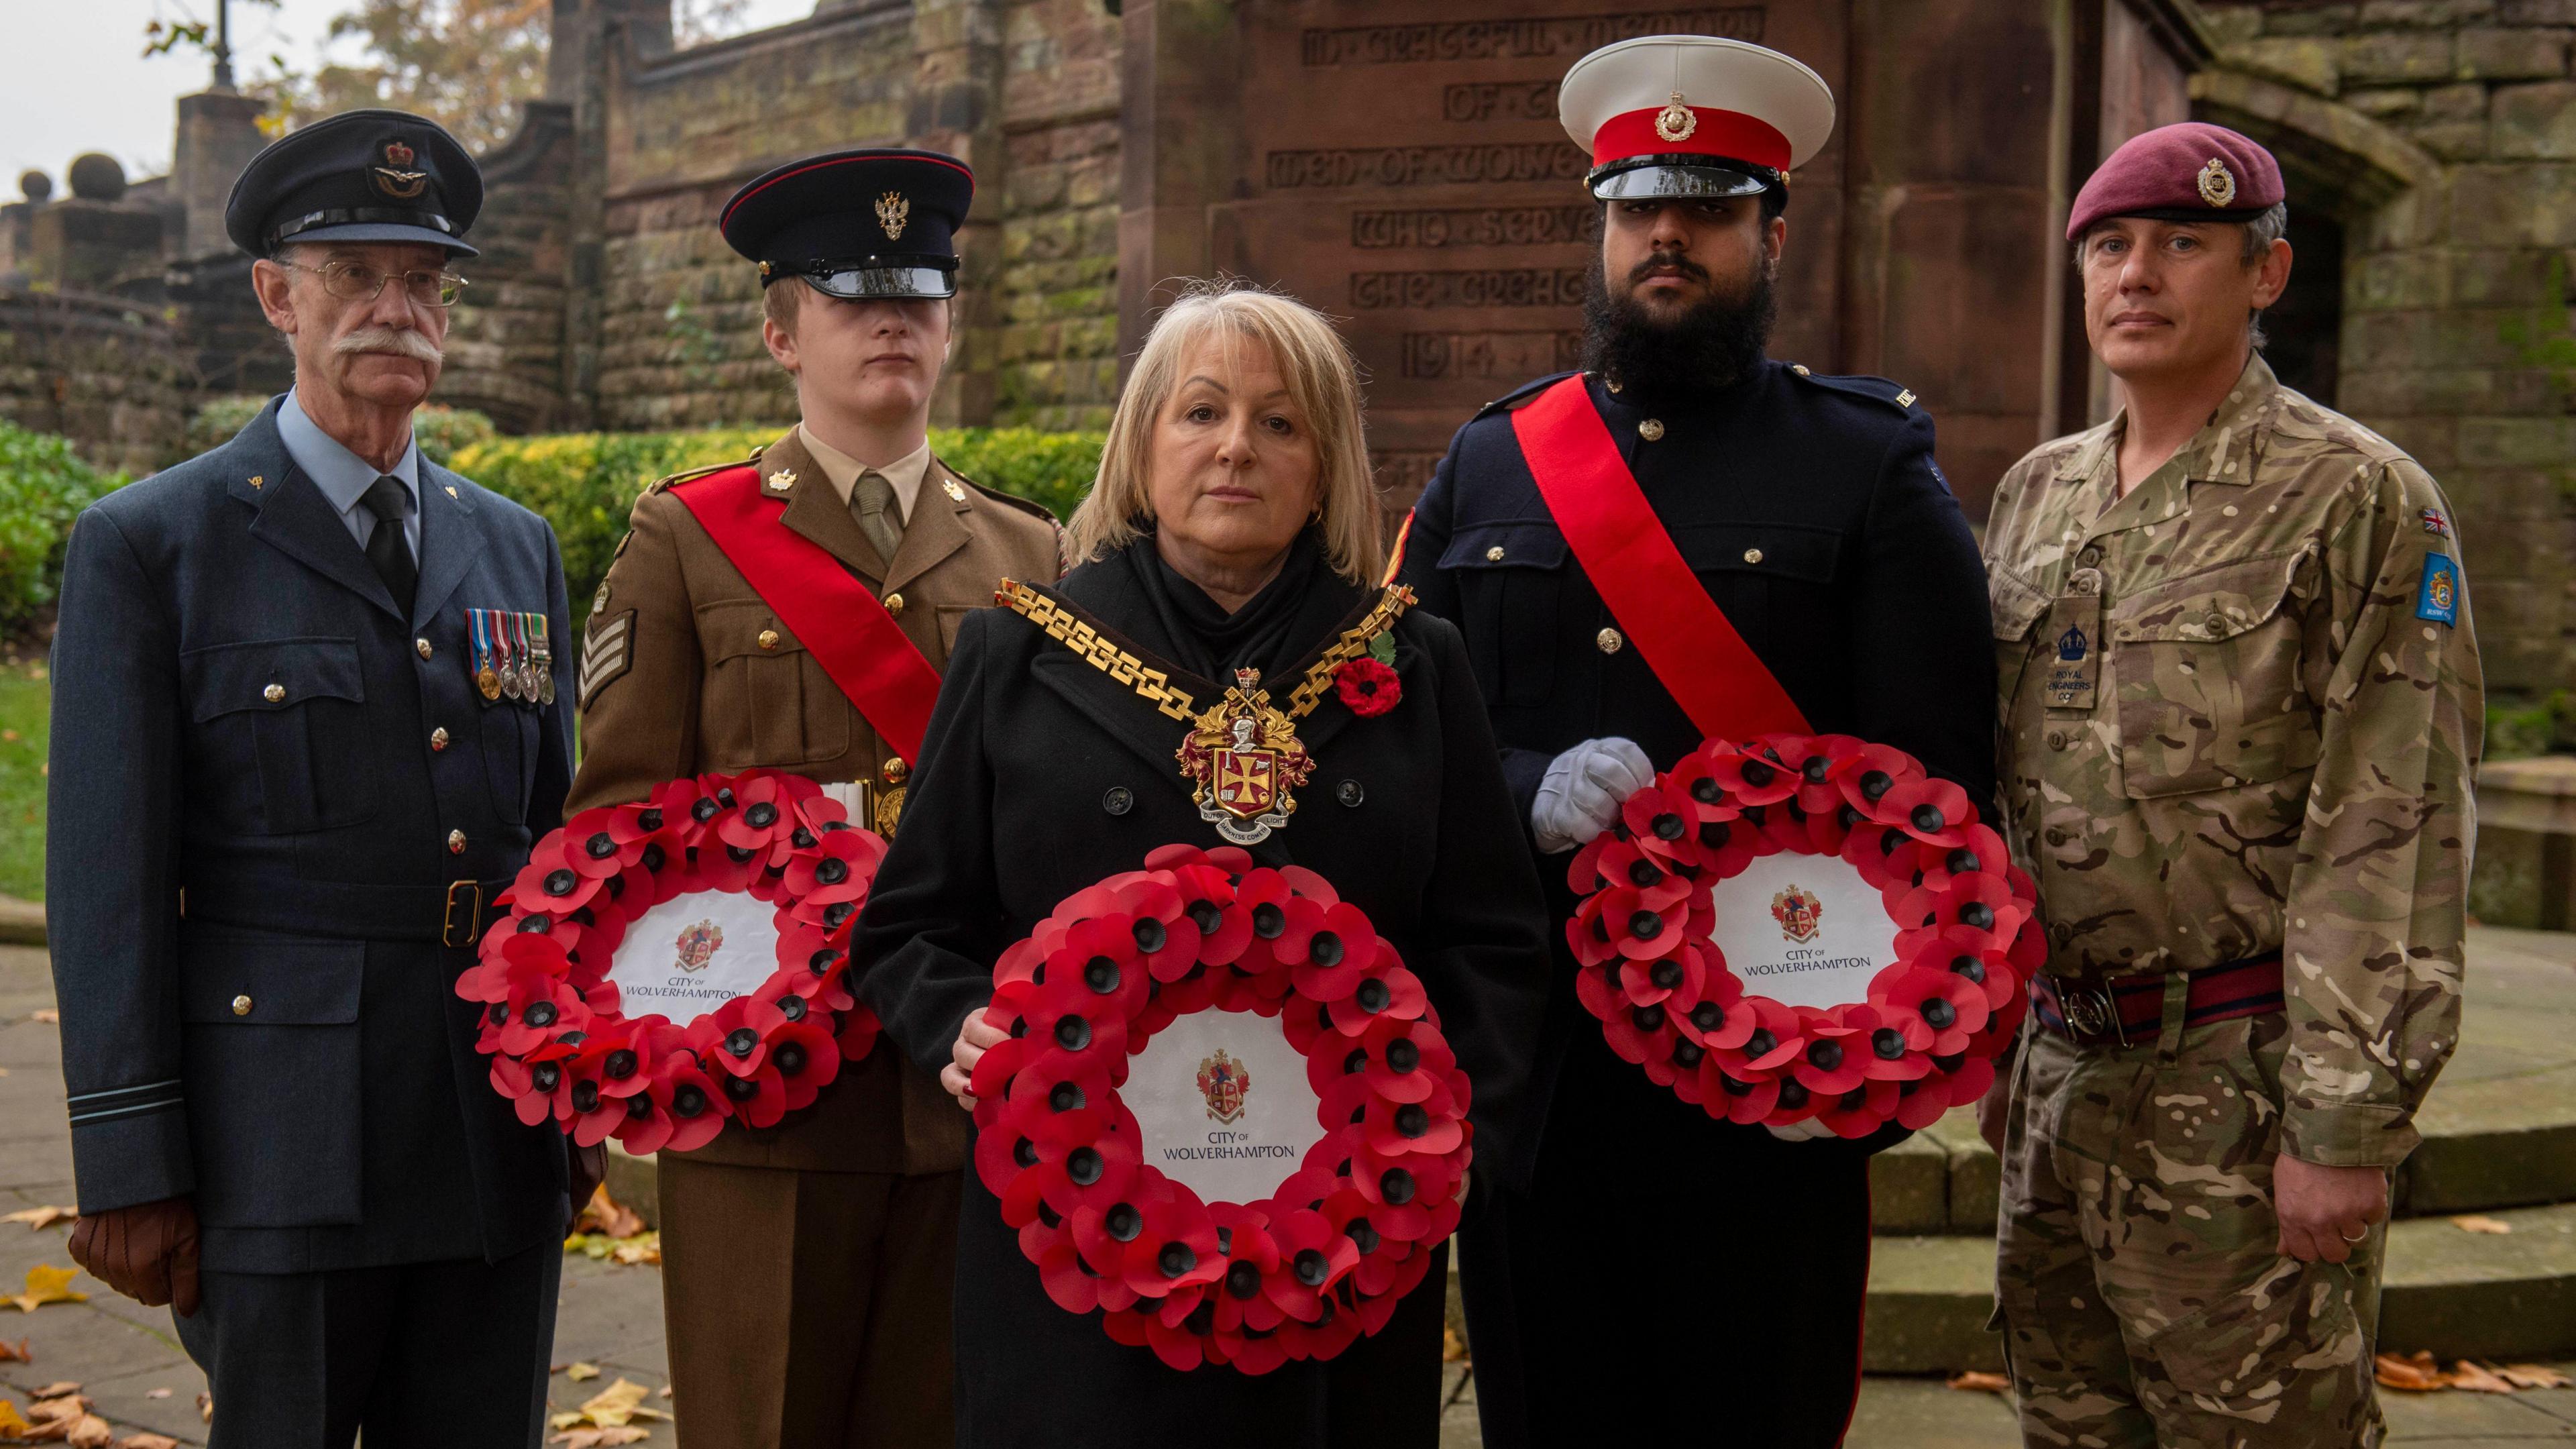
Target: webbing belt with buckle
(2130, 1011)
(453, 914)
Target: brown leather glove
(148, 1252)
(589, 1165)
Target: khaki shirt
(686, 670)
(2276, 749)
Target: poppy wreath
(562, 1047)
(1301, 1274)
(1925, 1038)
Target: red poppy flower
(1776, 1036)
(735, 1036)
(1329, 963)
(1833, 1058)
(1208, 898)
(1661, 822)
(537, 1007)
(1695, 778)
(1400, 1060)
(516, 1080)
(1368, 687)
(1394, 1129)
(1736, 1098)
(1753, 776)
(1860, 1111)
(689, 808)
(1379, 1247)
(557, 878)
(1935, 812)
(1978, 906)
(765, 820)
(1389, 990)
(1713, 1019)
(1921, 1102)
(1072, 1283)
(805, 1055)
(1880, 769)
(1947, 1008)
(688, 1109)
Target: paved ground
(127, 1359)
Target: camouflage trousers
(2139, 1282)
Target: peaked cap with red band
(2190, 171)
(1693, 115)
(877, 222)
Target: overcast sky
(73, 79)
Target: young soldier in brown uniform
(806, 1267)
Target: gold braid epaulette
(1353, 643)
(1156, 686)
(1082, 639)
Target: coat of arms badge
(1244, 755)
(1799, 913)
(1223, 1081)
(697, 945)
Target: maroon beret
(2191, 171)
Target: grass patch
(26, 704)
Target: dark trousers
(445, 1355)
(1666, 1278)
(807, 1310)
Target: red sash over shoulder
(1683, 636)
(839, 621)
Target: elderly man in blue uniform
(1651, 1242)
(310, 708)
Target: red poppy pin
(1369, 684)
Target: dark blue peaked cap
(359, 176)
(879, 222)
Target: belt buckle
(447, 926)
(2091, 1011)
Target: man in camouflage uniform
(2240, 712)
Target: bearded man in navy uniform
(312, 702)
(1650, 1244)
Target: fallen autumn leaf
(2532, 1376)
(1981, 1383)
(45, 1014)
(48, 1284)
(147, 1441)
(2477, 1380)
(2480, 1223)
(41, 1217)
(582, 1372)
(2415, 1373)
(15, 1352)
(606, 1215)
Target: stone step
(2499, 1126)
(2457, 1293)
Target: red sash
(1685, 639)
(842, 625)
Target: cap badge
(892, 212)
(1676, 121)
(395, 178)
(2217, 185)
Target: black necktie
(387, 549)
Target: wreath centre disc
(1223, 1105)
(1804, 930)
(694, 952)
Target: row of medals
(532, 678)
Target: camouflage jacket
(2240, 712)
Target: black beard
(1716, 343)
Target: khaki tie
(872, 504)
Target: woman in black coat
(1232, 529)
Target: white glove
(1807, 1131)
(1583, 789)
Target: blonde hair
(1323, 383)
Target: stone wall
(1056, 325)
(97, 371)
(2444, 132)
(505, 344)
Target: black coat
(241, 713)
(1811, 510)
(1040, 776)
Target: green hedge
(443, 432)
(585, 484)
(43, 487)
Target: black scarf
(1277, 627)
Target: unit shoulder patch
(2437, 597)
(607, 652)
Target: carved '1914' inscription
(1475, 226)
(1513, 355)
(1475, 287)
(1563, 37)
(1425, 165)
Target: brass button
(1608, 641)
(273, 693)
(896, 770)
(241, 1006)
(421, 646)
(1800, 368)
(1753, 555)
(768, 639)
(438, 738)
(1494, 554)
(456, 842)
(1650, 430)
(894, 605)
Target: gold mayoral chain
(1241, 754)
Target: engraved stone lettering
(1475, 226)
(1563, 37)
(1426, 165)
(1499, 101)
(1474, 287)
(1494, 354)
